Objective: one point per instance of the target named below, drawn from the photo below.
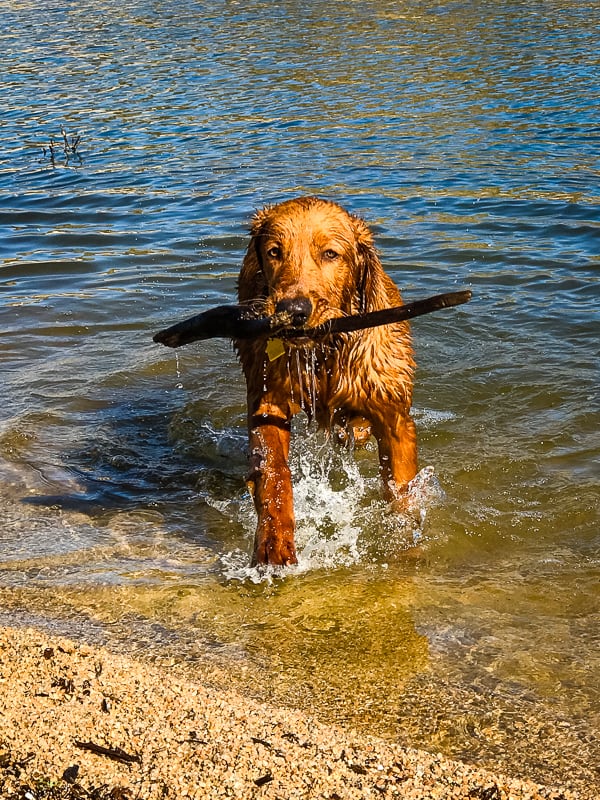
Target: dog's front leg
(270, 484)
(397, 439)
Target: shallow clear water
(467, 135)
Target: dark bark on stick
(386, 316)
(222, 322)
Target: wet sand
(80, 721)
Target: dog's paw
(275, 548)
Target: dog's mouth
(304, 335)
(295, 341)
(293, 334)
(288, 328)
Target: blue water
(466, 134)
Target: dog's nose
(299, 309)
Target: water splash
(341, 518)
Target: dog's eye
(330, 255)
(274, 251)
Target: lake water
(467, 134)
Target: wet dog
(312, 261)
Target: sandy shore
(78, 721)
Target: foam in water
(341, 518)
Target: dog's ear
(251, 282)
(370, 283)
(259, 219)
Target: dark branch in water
(69, 148)
(240, 322)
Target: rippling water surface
(467, 134)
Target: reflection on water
(467, 135)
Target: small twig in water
(52, 150)
(69, 147)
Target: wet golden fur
(311, 254)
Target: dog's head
(312, 259)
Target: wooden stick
(240, 322)
(222, 322)
(385, 316)
(115, 753)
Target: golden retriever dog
(310, 258)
